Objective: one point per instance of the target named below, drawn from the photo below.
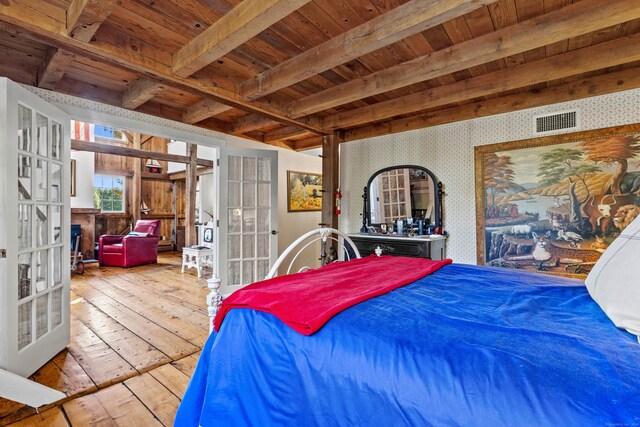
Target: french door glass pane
(42, 185)
(235, 220)
(24, 227)
(56, 307)
(24, 275)
(234, 272)
(264, 194)
(262, 221)
(42, 135)
(42, 315)
(42, 225)
(249, 246)
(233, 246)
(264, 169)
(57, 265)
(56, 140)
(248, 194)
(25, 164)
(263, 268)
(56, 182)
(247, 272)
(25, 117)
(41, 270)
(24, 324)
(235, 196)
(263, 245)
(235, 168)
(249, 221)
(56, 224)
(248, 168)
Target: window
(108, 132)
(108, 193)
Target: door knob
(274, 232)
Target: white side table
(197, 257)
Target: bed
(465, 345)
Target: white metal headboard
(307, 239)
(214, 299)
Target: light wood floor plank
(167, 342)
(103, 365)
(155, 396)
(187, 365)
(125, 409)
(136, 351)
(191, 325)
(50, 418)
(172, 378)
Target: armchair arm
(133, 244)
(110, 239)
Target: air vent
(556, 122)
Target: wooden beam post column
(190, 236)
(330, 175)
(136, 180)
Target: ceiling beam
(308, 143)
(395, 25)
(119, 150)
(594, 86)
(249, 123)
(242, 23)
(130, 58)
(140, 91)
(571, 21)
(289, 145)
(203, 110)
(283, 133)
(592, 58)
(84, 17)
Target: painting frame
(304, 191)
(552, 142)
(73, 178)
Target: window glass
(108, 193)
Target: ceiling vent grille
(556, 122)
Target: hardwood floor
(136, 335)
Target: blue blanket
(464, 346)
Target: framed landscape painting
(554, 204)
(304, 191)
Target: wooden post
(136, 180)
(330, 173)
(191, 238)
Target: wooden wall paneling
(136, 179)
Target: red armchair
(128, 251)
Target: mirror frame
(437, 190)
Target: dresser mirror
(401, 192)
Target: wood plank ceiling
(285, 72)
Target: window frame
(124, 193)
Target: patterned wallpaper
(447, 150)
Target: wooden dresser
(431, 247)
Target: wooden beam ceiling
(571, 21)
(118, 150)
(203, 110)
(130, 58)
(599, 85)
(615, 52)
(283, 133)
(140, 91)
(84, 17)
(395, 25)
(242, 23)
(249, 123)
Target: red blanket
(306, 301)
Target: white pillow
(614, 281)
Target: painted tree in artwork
(564, 163)
(617, 149)
(498, 174)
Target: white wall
(447, 151)
(85, 169)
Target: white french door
(248, 241)
(34, 223)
